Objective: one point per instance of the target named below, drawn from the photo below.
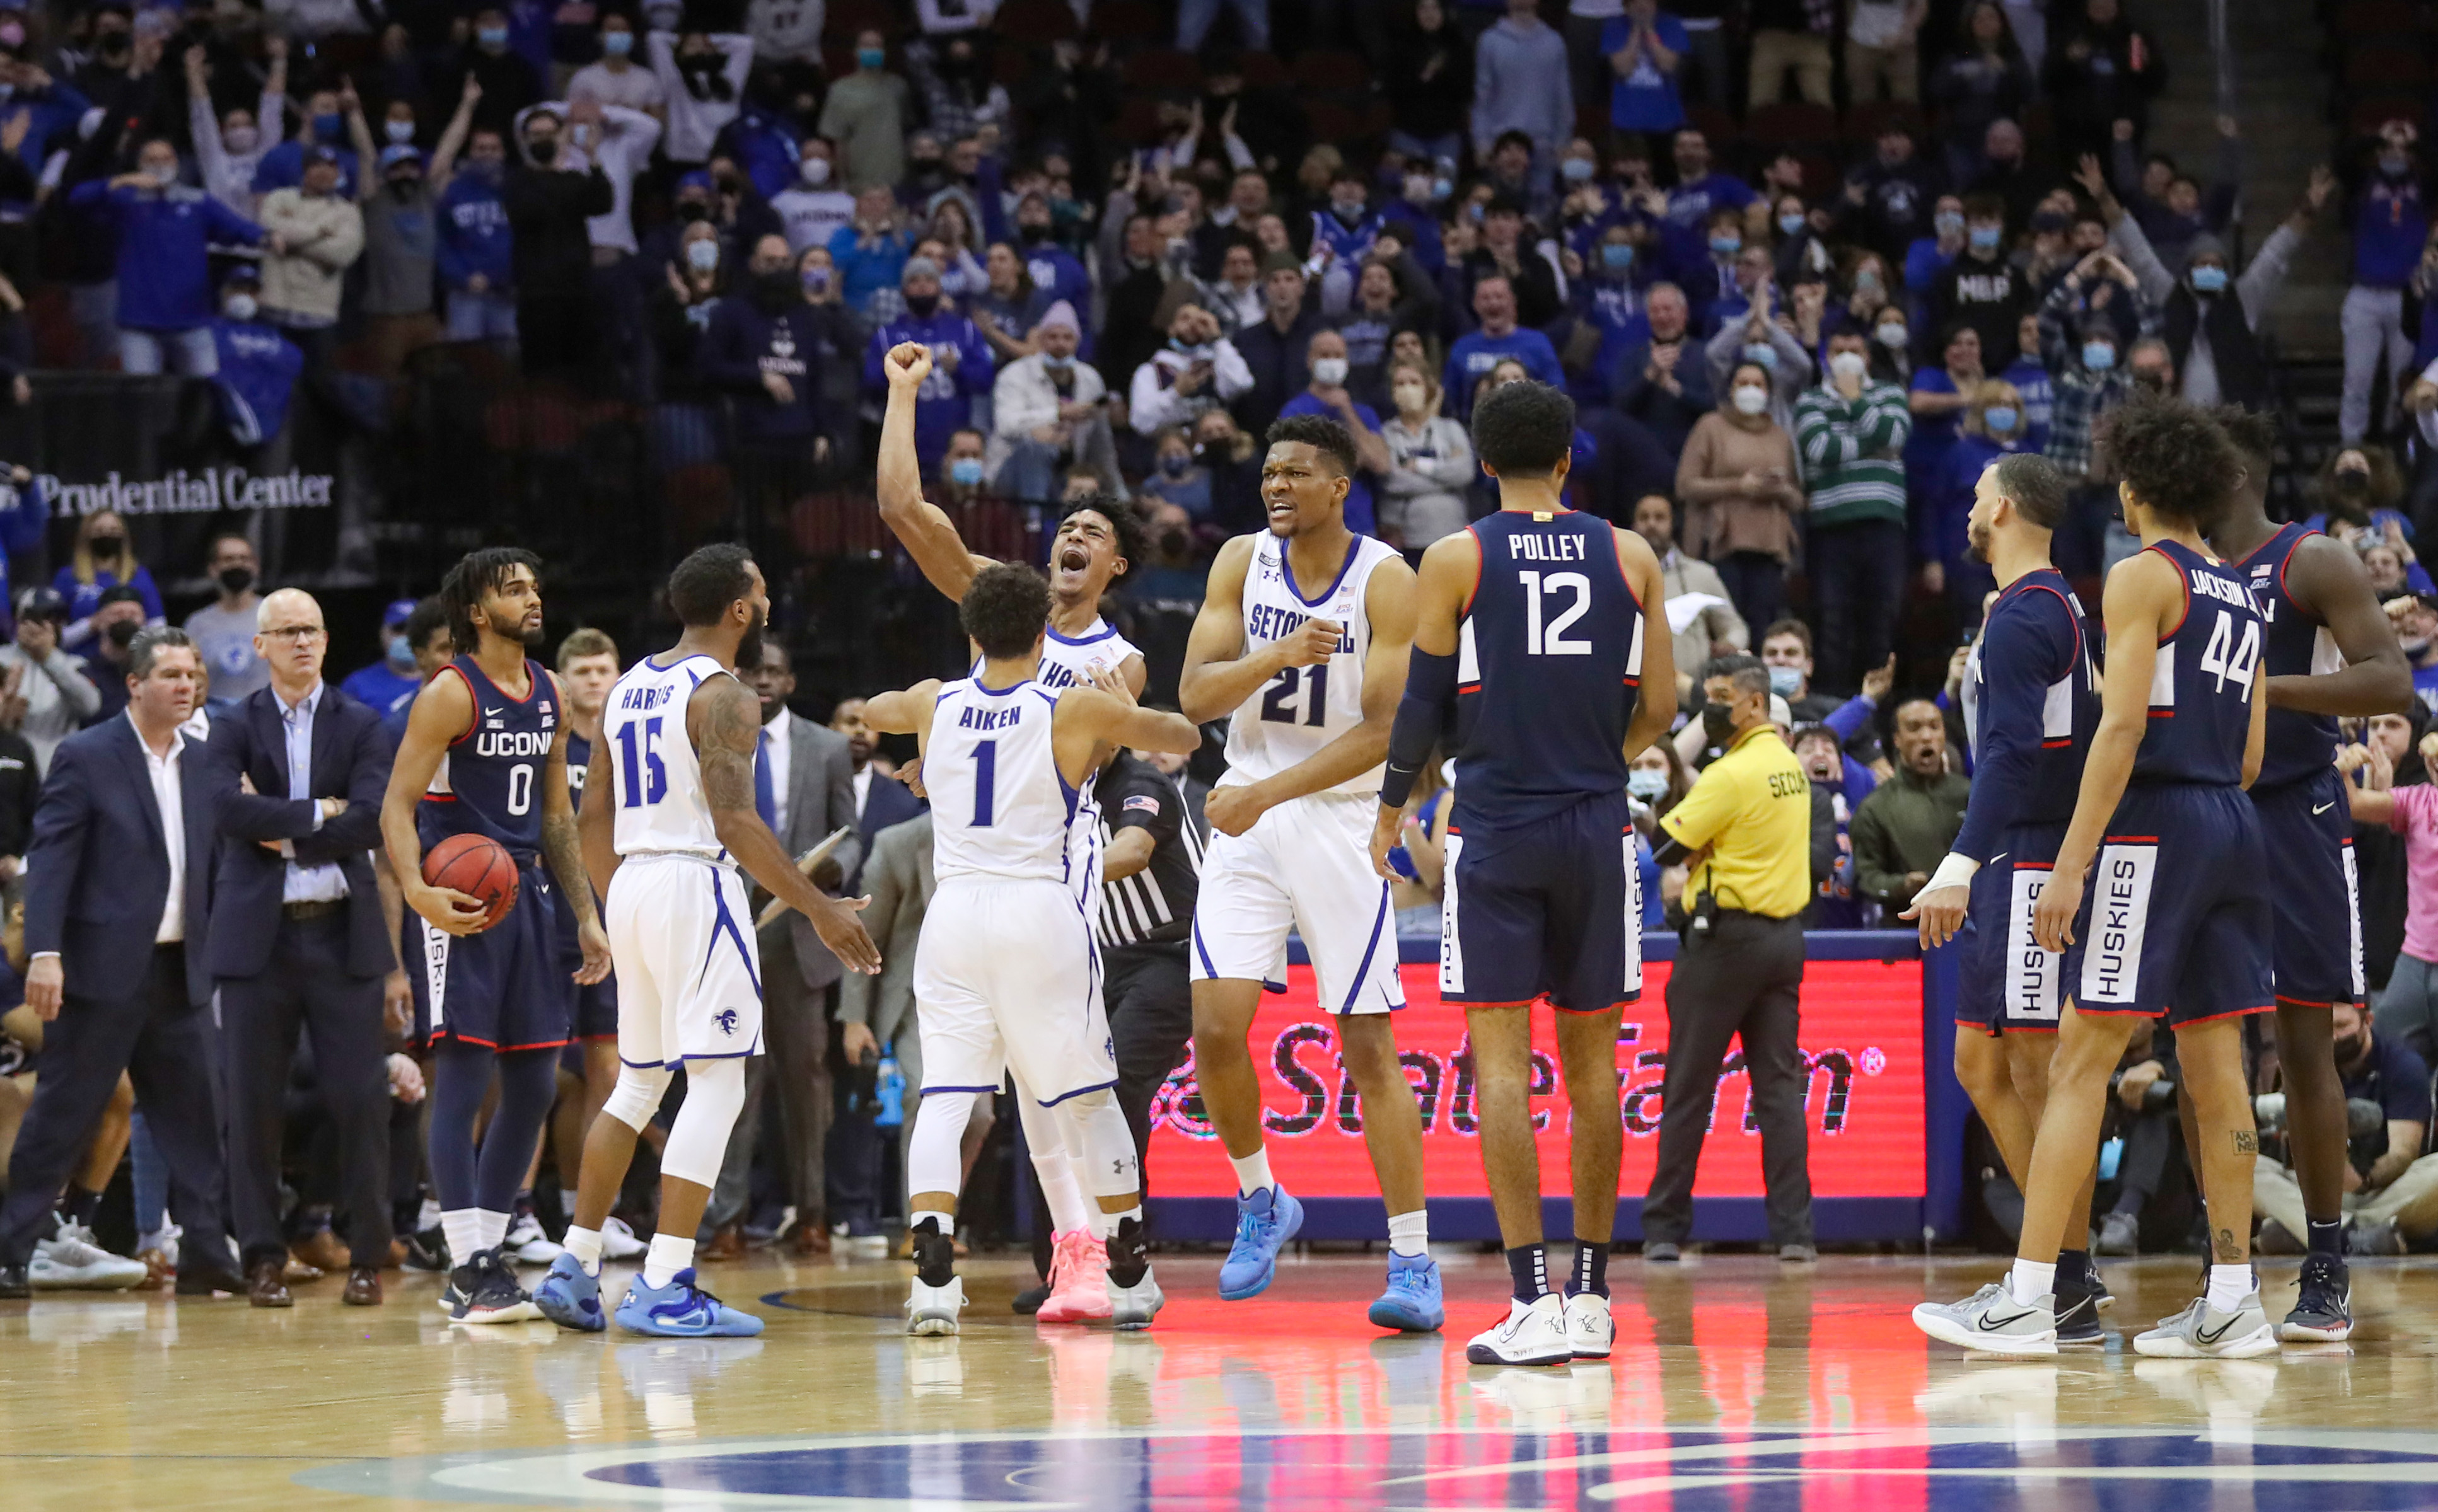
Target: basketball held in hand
(477, 866)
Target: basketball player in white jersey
(1093, 546)
(668, 818)
(1008, 976)
(1303, 637)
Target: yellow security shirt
(1751, 809)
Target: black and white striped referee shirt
(1156, 905)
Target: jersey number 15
(646, 778)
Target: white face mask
(1849, 364)
(816, 171)
(163, 174)
(241, 139)
(399, 132)
(1328, 372)
(1751, 400)
(241, 306)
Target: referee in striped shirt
(1151, 869)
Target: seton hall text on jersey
(2209, 584)
(970, 717)
(1548, 547)
(512, 743)
(1272, 621)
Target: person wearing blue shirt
(764, 144)
(36, 119)
(165, 231)
(1326, 396)
(961, 367)
(2033, 385)
(1055, 272)
(25, 520)
(104, 558)
(1993, 428)
(1342, 237)
(870, 253)
(1645, 48)
(258, 365)
(1699, 192)
(1474, 354)
(1609, 300)
(379, 685)
(2390, 225)
(476, 250)
(283, 167)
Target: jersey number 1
(1546, 637)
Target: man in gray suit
(803, 782)
(876, 1013)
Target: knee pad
(934, 1152)
(637, 1096)
(697, 1144)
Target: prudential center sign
(182, 491)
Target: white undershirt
(168, 792)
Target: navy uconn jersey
(2201, 710)
(1548, 665)
(579, 764)
(489, 781)
(2031, 703)
(2297, 645)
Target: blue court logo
(1696, 1470)
(725, 1019)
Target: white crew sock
(462, 1228)
(667, 1257)
(2031, 1280)
(495, 1227)
(1104, 1225)
(2229, 1285)
(1252, 1171)
(1409, 1234)
(585, 1244)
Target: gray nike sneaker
(1991, 1321)
(2203, 1332)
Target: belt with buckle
(313, 910)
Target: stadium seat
(848, 17)
(1128, 21)
(1262, 70)
(2368, 69)
(1163, 68)
(1339, 72)
(1036, 21)
(2367, 115)
(2363, 18)
(1714, 123)
(1790, 123)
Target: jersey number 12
(1545, 637)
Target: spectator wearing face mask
(1834, 904)
(1325, 394)
(510, 82)
(550, 198)
(2358, 489)
(224, 629)
(164, 232)
(1758, 339)
(615, 78)
(1851, 433)
(115, 621)
(317, 236)
(1742, 484)
(1048, 412)
(258, 365)
(761, 349)
(1992, 427)
(1981, 288)
(962, 368)
(382, 684)
(59, 695)
(474, 249)
(2090, 381)
(103, 559)
(402, 235)
(866, 115)
(702, 83)
(325, 125)
(1430, 463)
(230, 148)
(816, 209)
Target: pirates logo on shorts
(725, 1019)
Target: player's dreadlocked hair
(476, 575)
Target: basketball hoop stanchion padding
(1885, 1146)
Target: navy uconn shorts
(2008, 983)
(2175, 920)
(503, 989)
(597, 1007)
(2306, 829)
(1550, 908)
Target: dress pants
(1858, 589)
(163, 1043)
(796, 1048)
(307, 987)
(1743, 977)
(854, 1149)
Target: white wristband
(1955, 871)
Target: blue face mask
(1765, 356)
(1649, 783)
(2098, 356)
(1790, 224)
(1442, 188)
(1618, 256)
(2209, 278)
(1577, 171)
(1984, 238)
(493, 36)
(617, 43)
(1727, 246)
(870, 58)
(967, 473)
(326, 127)
(1783, 681)
(2001, 420)
(1947, 222)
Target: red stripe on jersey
(2131, 840)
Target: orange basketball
(477, 866)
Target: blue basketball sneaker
(682, 1311)
(569, 1297)
(1412, 1304)
(1264, 1222)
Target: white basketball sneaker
(1589, 1328)
(932, 1309)
(1534, 1333)
(70, 1260)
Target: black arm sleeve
(1430, 687)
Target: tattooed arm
(724, 721)
(563, 847)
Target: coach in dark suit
(805, 784)
(879, 801)
(296, 772)
(119, 891)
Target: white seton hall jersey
(999, 805)
(655, 778)
(1304, 709)
(1069, 661)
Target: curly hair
(2176, 459)
(1132, 546)
(1004, 609)
(1524, 429)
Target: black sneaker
(485, 1290)
(2323, 1305)
(427, 1250)
(1029, 1302)
(2077, 1313)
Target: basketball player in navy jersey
(588, 668)
(1532, 627)
(2160, 895)
(486, 753)
(2329, 652)
(2031, 703)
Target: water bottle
(891, 1094)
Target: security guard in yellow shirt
(1747, 830)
